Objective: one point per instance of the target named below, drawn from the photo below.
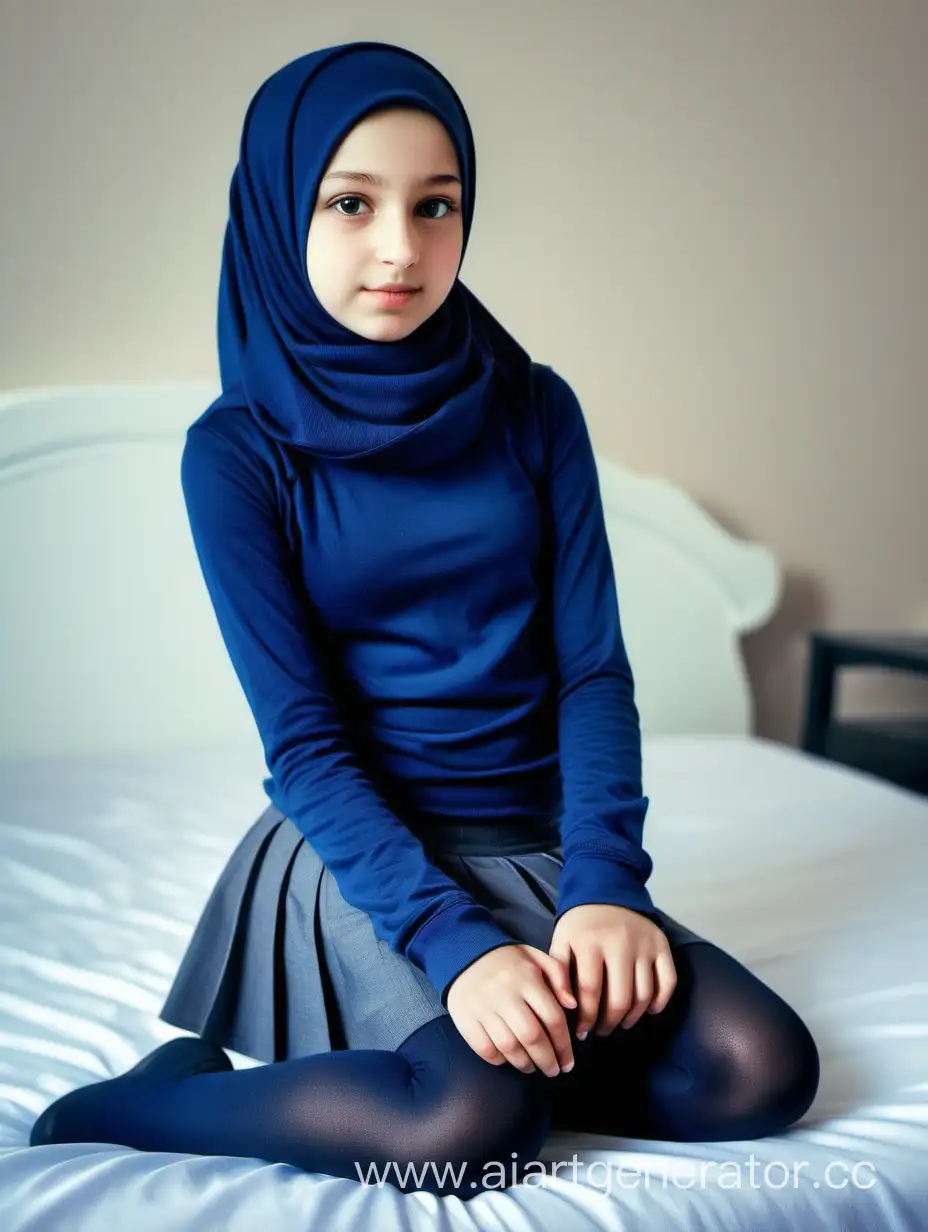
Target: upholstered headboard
(108, 641)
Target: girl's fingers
(666, 974)
(557, 973)
(551, 1016)
(589, 989)
(644, 992)
(484, 1047)
(619, 996)
(508, 1043)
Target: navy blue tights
(728, 1059)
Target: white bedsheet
(813, 876)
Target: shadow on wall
(777, 655)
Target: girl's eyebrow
(378, 179)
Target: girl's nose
(397, 242)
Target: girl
(397, 516)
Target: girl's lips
(393, 299)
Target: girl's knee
(793, 1077)
(503, 1127)
(482, 1113)
(770, 1076)
(518, 1119)
(753, 1061)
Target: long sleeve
(264, 617)
(598, 729)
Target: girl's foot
(79, 1116)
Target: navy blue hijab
(308, 380)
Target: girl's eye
(451, 207)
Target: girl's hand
(626, 948)
(508, 1006)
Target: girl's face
(397, 219)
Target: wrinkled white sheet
(813, 876)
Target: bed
(130, 767)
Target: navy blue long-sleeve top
(442, 643)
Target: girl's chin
(387, 325)
(384, 330)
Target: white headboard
(108, 642)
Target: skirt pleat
(280, 965)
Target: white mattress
(811, 875)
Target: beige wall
(709, 215)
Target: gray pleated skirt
(280, 965)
